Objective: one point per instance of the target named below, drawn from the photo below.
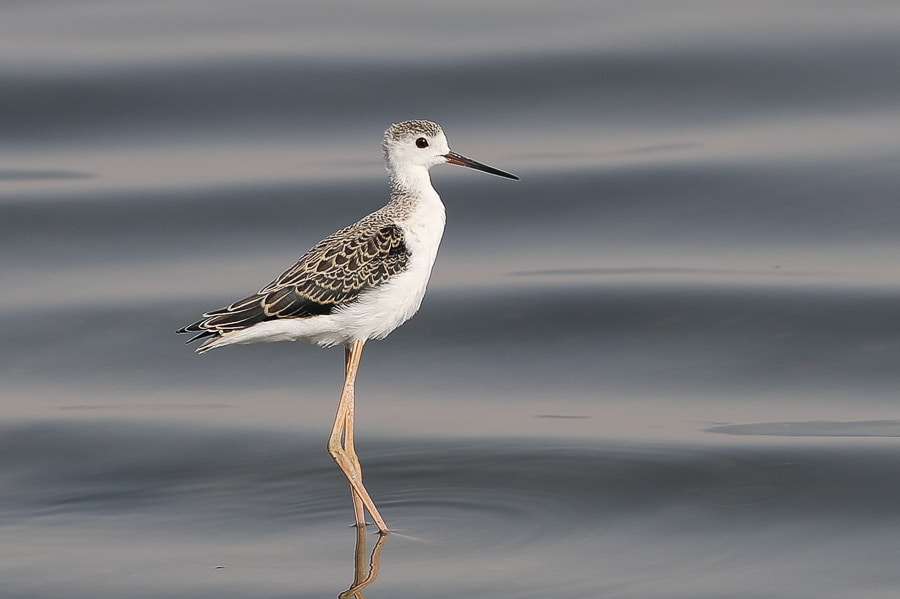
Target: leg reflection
(363, 576)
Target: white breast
(381, 310)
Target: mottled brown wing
(334, 272)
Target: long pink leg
(358, 512)
(340, 444)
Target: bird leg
(340, 444)
(358, 512)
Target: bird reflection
(363, 576)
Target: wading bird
(359, 283)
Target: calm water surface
(664, 364)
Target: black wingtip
(198, 331)
(191, 328)
(201, 335)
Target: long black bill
(454, 158)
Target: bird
(358, 284)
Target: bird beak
(454, 158)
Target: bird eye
(421, 143)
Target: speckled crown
(398, 131)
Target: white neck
(413, 180)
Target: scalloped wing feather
(331, 274)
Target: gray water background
(666, 363)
